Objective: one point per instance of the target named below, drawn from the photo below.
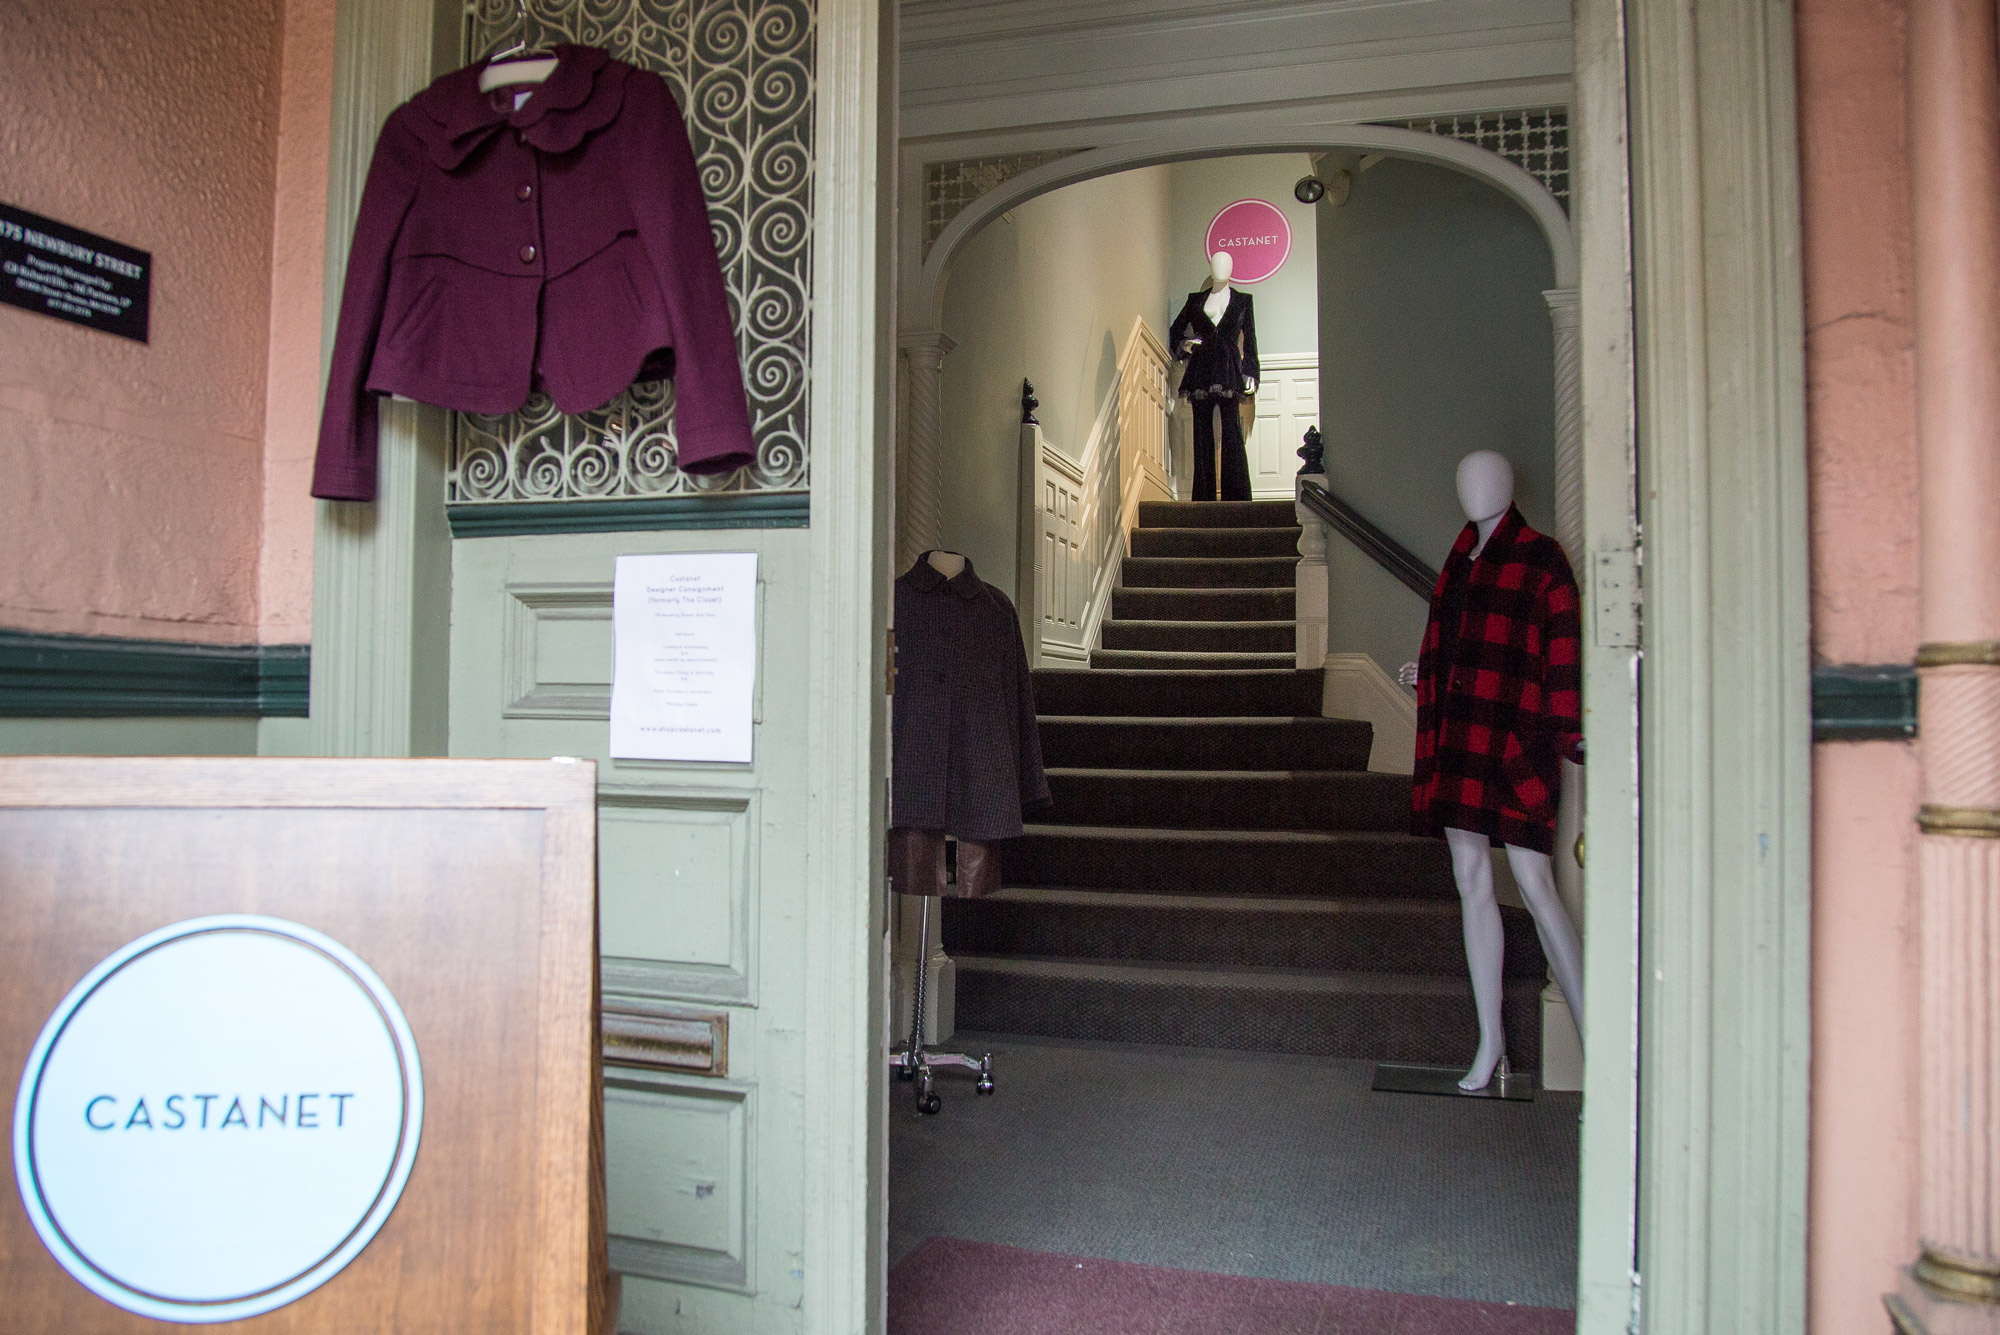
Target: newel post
(1309, 579)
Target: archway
(924, 344)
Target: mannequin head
(1220, 265)
(1485, 485)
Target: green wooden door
(697, 865)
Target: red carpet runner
(950, 1287)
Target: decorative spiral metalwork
(742, 72)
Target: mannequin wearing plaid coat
(1497, 713)
(1498, 698)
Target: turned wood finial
(1313, 452)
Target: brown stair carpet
(1218, 867)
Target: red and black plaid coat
(1498, 689)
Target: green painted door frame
(1722, 927)
(382, 599)
(1697, 882)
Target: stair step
(1196, 637)
(1273, 604)
(1229, 799)
(1216, 541)
(1367, 864)
(1378, 1016)
(1147, 660)
(1207, 572)
(1400, 936)
(1218, 514)
(1283, 692)
(1206, 743)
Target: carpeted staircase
(1220, 869)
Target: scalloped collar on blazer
(583, 93)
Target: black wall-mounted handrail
(1384, 550)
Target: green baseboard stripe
(514, 519)
(85, 676)
(1864, 703)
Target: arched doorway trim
(923, 343)
(925, 308)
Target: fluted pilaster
(1954, 1286)
(1564, 313)
(920, 512)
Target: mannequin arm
(1180, 338)
(1252, 371)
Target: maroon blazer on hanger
(562, 245)
(1499, 699)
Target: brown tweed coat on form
(1498, 689)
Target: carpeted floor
(952, 1287)
(1250, 1164)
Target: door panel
(688, 858)
(1287, 403)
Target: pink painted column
(1954, 74)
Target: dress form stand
(1486, 493)
(914, 1062)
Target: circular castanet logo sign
(1256, 235)
(217, 1118)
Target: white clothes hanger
(518, 64)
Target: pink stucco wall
(138, 498)
(298, 264)
(1861, 418)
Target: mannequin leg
(1235, 459)
(1536, 876)
(1204, 448)
(1485, 947)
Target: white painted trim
(1271, 365)
(1274, 132)
(1099, 540)
(989, 63)
(1359, 687)
(843, 1165)
(1099, 607)
(1607, 1283)
(1143, 358)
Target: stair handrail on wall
(1356, 686)
(1077, 510)
(1378, 546)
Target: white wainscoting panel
(1287, 403)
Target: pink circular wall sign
(1255, 234)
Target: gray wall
(1434, 342)
(1048, 293)
(1287, 301)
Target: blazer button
(527, 254)
(525, 193)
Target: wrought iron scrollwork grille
(742, 72)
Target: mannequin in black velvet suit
(1216, 335)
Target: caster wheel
(984, 1087)
(929, 1105)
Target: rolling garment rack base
(915, 1062)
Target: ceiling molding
(1018, 63)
